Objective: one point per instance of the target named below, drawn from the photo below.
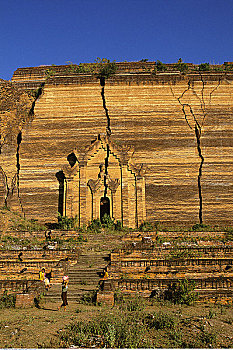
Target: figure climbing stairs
(84, 276)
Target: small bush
(204, 67)
(182, 292)
(119, 297)
(19, 223)
(211, 314)
(146, 226)
(160, 67)
(228, 66)
(89, 298)
(218, 69)
(160, 321)
(74, 240)
(200, 227)
(181, 66)
(95, 226)
(65, 223)
(7, 300)
(80, 68)
(50, 72)
(78, 311)
(229, 233)
(107, 222)
(135, 303)
(107, 331)
(207, 338)
(80, 238)
(38, 300)
(118, 225)
(105, 68)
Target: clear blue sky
(45, 32)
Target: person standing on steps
(64, 288)
(42, 274)
(105, 277)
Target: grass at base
(201, 325)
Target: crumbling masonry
(140, 145)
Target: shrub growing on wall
(160, 67)
(181, 66)
(204, 67)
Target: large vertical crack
(19, 140)
(205, 104)
(108, 128)
(5, 182)
(106, 172)
(197, 128)
(198, 138)
(108, 132)
(37, 94)
(12, 184)
(16, 178)
(2, 142)
(105, 69)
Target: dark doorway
(60, 177)
(72, 159)
(104, 206)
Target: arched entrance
(102, 179)
(104, 207)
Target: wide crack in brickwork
(38, 93)
(186, 107)
(108, 128)
(108, 132)
(22, 116)
(19, 140)
(4, 176)
(198, 138)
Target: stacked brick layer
(144, 264)
(145, 112)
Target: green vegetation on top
(104, 68)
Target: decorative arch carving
(105, 169)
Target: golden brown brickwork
(15, 112)
(179, 126)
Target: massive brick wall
(145, 112)
(16, 109)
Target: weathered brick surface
(146, 265)
(145, 113)
(19, 286)
(15, 107)
(22, 275)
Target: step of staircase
(84, 277)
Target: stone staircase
(84, 277)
